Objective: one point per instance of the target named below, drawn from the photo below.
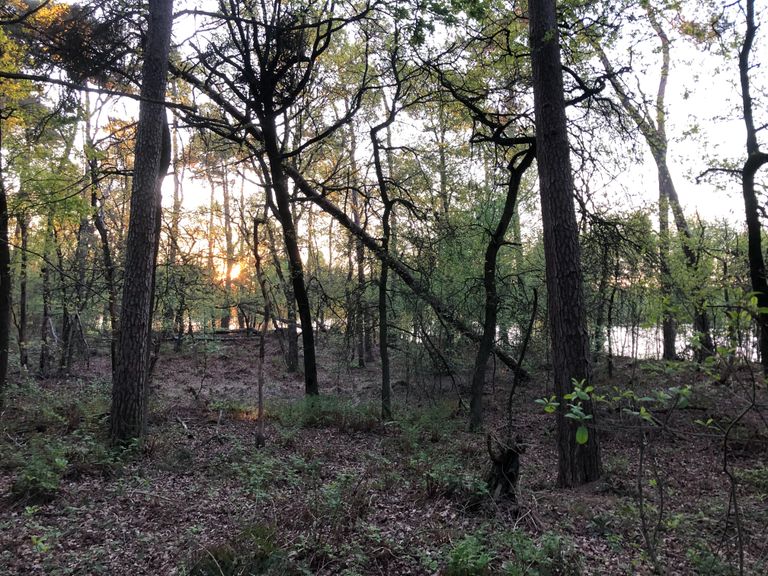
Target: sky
(704, 129)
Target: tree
(128, 417)
(652, 124)
(755, 160)
(577, 462)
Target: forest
(383, 287)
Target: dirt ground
(335, 491)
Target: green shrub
(343, 500)
(446, 478)
(262, 471)
(327, 412)
(552, 555)
(705, 563)
(468, 558)
(39, 477)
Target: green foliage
(552, 555)
(51, 435)
(327, 412)
(468, 557)
(343, 501)
(38, 479)
(427, 426)
(756, 477)
(445, 477)
(261, 472)
(581, 393)
(705, 563)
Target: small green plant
(705, 563)
(551, 555)
(343, 500)
(581, 393)
(39, 478)
(468, 558)
(445, 477)
(757, 477)
(262, 471)
(327, 412)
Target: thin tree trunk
(22, 319)
(45, 349)
(66, 324)
(386, 389)
(229, 252)
(495, 243)
(359, 292)
(5, 278)
(296, 268)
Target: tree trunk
(489, 284)
(5, 279)
(359, 264)
(386, 389)
(296, 268)
(128, 416)
(230, 252)
(66, 324)
(755, 160)
(577, 463)
(404, 272)
(22, 319)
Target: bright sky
(703, 91)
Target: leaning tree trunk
(577, 463)
(489, 283)
(296, 268)
(129, 390)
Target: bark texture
(130, 387)
(577, 463)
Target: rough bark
(128, 416)
(577, 463)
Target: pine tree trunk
(128, 416)
(577, 463)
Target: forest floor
(335, 491)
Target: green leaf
(582, 435)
